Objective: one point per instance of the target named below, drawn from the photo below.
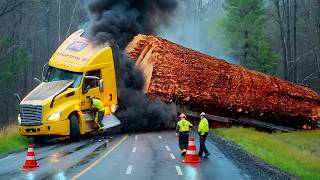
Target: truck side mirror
(36, 80)
(101, 85)
(17, 96)
(44, 71)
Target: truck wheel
(74, 128)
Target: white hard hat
(202, 114)
(182, 115)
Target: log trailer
(198, 82)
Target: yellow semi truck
(59, 105)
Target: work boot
(183, 152)
(206, 155)
(101, 129)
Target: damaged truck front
(59, 105)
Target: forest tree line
(277, 37)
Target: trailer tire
(74, 128)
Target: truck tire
(74, 128)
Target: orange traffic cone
(191, 155)
(31, 161)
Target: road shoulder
(250, 165)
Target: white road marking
(134, 149)
(179, 170)
(160, 137)
(168, 148)
(136, 137)
(172, 156)
(129, 169)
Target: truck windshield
(55, 74)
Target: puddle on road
(86, 159)
(55, 157)
(94, 153)
(192, 171)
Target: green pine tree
(245, 30)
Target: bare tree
(35, 26)
(8, 6)
(299, 27)
(279, 4)
(295, 63)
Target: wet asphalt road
(142, 156)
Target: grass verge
(297, 153)
(11, 140)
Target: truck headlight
(54, 116)
(19, 119)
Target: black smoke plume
(118, 21)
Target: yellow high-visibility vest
(184, 125)
(96, 103)
(203, 126)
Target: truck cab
(59, 105)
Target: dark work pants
(203, 147)
(183, 140)
(99, 118)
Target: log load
(206, 83)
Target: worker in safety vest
(182, 131)
(203, 129)
(98, 104)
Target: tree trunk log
(205, 83)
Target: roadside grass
(297, 153)
(11, 140)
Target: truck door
(90, 88)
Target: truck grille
(30, 115)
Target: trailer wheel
(74, 128)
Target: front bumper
(61, 128)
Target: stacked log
(205, 83)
